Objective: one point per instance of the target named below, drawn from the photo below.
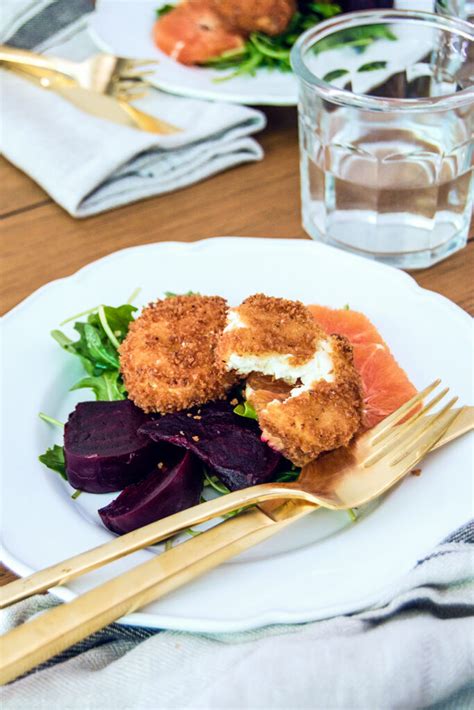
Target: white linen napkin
(89, 165)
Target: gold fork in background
(388, 450)
(102, 73)
(107, 107)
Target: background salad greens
(261, 51)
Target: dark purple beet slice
(102, 447)
(158, 495)
(228, 444)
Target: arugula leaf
(262, 51)
(108, 386)
(335, 74)
(286, 476)
(99, 337)
(352, 513)
(245, 410)
(214, 483)
(164, 9)
(359, 38)
(54, 459)
(172, 294)
(372, 66)
(100, 350)
(50, 420)
(326, 10)
(118, 319)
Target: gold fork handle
(52, 632)
(12, 55)
(143, 537)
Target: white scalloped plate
(321, 566)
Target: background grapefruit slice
(385, 384)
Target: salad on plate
(194, 397)
(247, 35)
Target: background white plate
(124, 27)
(323, 565)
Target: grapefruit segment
(354, 325)
(192, 33)
(385, 384)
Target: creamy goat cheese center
(319, 367)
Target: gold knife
(99, 105)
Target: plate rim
(199, 243)
(273, 615)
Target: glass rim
(376, 103)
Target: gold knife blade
(99, 105)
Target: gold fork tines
(399, 435)
(425, 438)
(385, 427)
(102, 73)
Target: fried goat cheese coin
(301, 382)
(271, 17)
(168, 359)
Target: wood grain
(18, 192)
(40, 242)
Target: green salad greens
(261, 51)
(99, 338)
(53, 458)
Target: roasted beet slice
(160, 494)
(102, 447)
(229, 445)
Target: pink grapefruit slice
(385, 384)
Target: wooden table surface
(41, 242)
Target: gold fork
(102, 73)
(107, 107)
(40, 639)
(343, 479)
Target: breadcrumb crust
(272, 326)
(168, 359)
(318, 419)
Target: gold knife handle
(36, 641)
(12, 55)
(147, 122)
(140, 538)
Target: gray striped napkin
(416, 651)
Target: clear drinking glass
(386, 118)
